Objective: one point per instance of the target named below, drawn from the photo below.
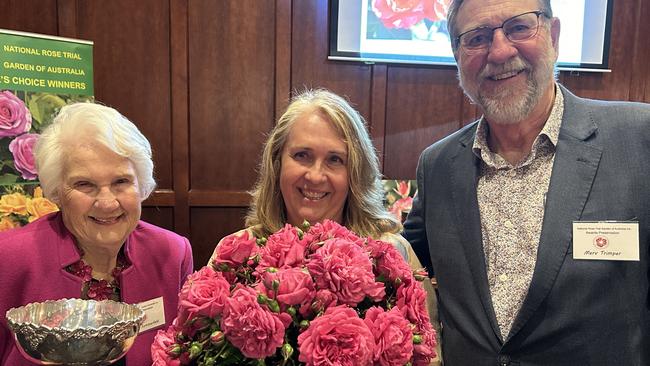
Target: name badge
(154, 313)
(606, 240)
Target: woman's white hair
(87, 123)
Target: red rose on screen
(159, 349)
(441, 9)
(406, 13)
(234, 250)
(338, 337)
(393, 336)
(254, 330)
(344, 268)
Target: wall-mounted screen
(388, 31)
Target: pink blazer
(32, 268)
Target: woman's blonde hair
(364, 211)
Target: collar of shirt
(547, 137)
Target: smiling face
(314, 175)
(99, 198)
(509, 80)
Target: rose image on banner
(404, 19)
(14, 115)
(26, 109)
(21, 148)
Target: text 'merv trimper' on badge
(606, 240)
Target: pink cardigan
(32, 268)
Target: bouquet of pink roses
(314, 296)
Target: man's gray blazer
(577, 312)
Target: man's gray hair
(452, 13)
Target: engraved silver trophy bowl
(75, 331)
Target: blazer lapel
(464, 179)
(574, 169)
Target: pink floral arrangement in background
(399, 197)
(407, 13)
(318, 295)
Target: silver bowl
(75, 331)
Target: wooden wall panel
(423, 105)
(231, 90)
(38, 16)
(160, 216)
(132, 67)
(640, 86)
(208, 226)
(180, 115)
(309, 65)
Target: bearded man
(535, 218)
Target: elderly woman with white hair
(96, 166)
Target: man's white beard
(509, 105)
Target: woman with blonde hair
(319, 163)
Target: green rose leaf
(8, 179)
(43, 107)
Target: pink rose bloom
(14, 115)
(389, 262)
(329, 229)
(393, 336)
(344, 268)
(21, 148)
(424, 352)
(255, 331)
(323, 300)
(338, 337)
(234, 250)
(412, 301)
(296, 287)
(192, 299)
(163, 341)
(284, 248)
(205, 294)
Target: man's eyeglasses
(518, 28)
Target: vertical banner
(39, 74)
